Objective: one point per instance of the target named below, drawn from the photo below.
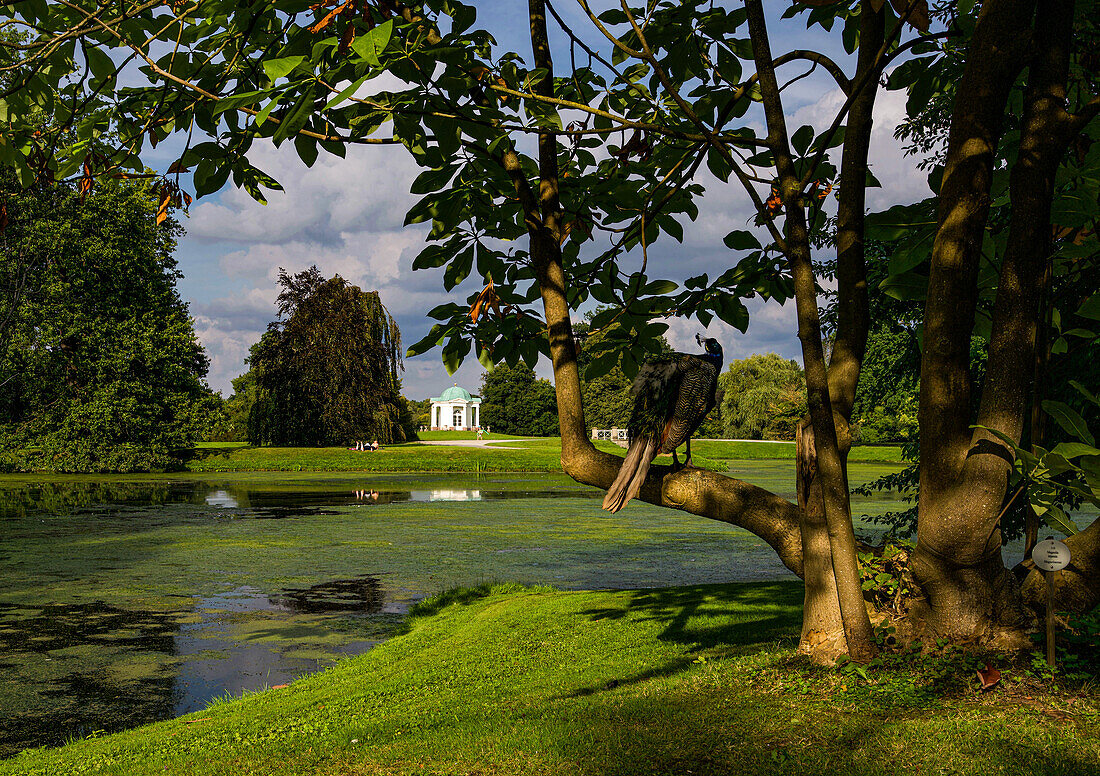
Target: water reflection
(73, 669)
(221, 498)
(361, 594)
(245, 640)
(247, 500)
(281, 504)
(70, 670)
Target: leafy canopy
(100, 369)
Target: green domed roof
(454, 392)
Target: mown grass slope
(697, 680)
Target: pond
(127, 600)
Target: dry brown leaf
(162, 209)
(327, 20)
(989, 676)
(916, 10)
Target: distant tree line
(514, 401)
(762, 396)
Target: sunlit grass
(532, 454)
(667, 681)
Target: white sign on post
(1051, 555)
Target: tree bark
(964, 473)
(830, 464)
(1076, 587)
(822, 637)
(822, 626)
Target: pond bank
(129, 599)
(697, 679)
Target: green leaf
(34, 10)
(432, 339)
(297, 117)
(733, 311)
(1074, 449)
(802, 138)
(348, 91)
(1085, 392)
(432, 256)
(370, 46)
(210, 177)
(235, 101)
(306, 148)
(100, 62)
(740, 240)
(718, 165)
(1091, 308)
(431, 181)
(660, 287)
(1071, 422)
(907, 287)
(277, 68)
(265, 112)
(1060, 521)
(454, 352)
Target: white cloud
(901, 180)
(227, 328)
(367, 191)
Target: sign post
(1050, 555)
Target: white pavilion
(455, 410)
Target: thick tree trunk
(1076, 587)
(822, 625)
(830, 463)
(964, 473)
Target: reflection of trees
(359, 594)
(65, 497)
(92, 698)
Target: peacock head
(710, 345)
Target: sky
(346, 215)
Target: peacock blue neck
(714, 358)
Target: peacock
(672, 395)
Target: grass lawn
(536, 455)
(699, 680)
(533, 454)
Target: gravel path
(496, 443)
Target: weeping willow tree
(764, 397)
(327, 370)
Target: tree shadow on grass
(710, 616)
(708, 732)
(732, 618)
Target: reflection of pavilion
(454, 495)
(221, 499)
(455, 410)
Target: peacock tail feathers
(672, 395)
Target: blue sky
(345, 216)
